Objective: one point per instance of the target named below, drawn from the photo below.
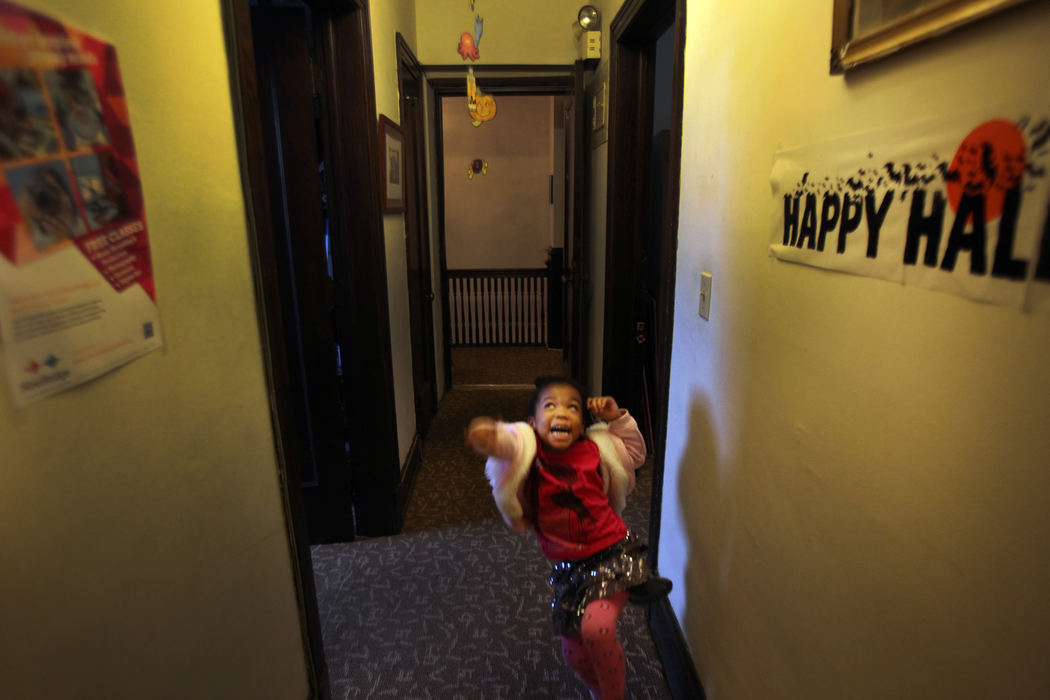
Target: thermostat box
(590, 45)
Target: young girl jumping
(569, 483)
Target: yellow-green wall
(532, 32)
(857, 471)
(388, 18)
(143, 550)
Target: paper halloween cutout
(469, 44)
(467, 47)
(482, 106)
(477, 166)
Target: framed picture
(864, 30)
(392, 165)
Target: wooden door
(300, 221)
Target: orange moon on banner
(989, 161)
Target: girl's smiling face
(558, 418)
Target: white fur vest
(508, 476)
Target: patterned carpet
(457, 605)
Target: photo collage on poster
(57, 159)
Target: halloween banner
(959, 205)
(77, 296)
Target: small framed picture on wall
(864, 30)
(391, 165)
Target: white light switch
(705, 294)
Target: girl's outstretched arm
(481, 436)
(489, 438)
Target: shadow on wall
(709, 511)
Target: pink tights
(596, 655)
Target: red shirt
(573, 518)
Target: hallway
(457, 605)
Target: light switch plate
(705, 294)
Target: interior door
(577, 248)
(290, 116)
(417, 238)
(657, 241)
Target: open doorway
(508, 221)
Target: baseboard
(408, 480)
(674, 654)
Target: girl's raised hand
(481, 436)
(603, 407)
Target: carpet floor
(457, 605)
(504, 364)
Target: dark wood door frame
(634, 31)
(500, 80)
(354, 176)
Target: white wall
(142, 535)
(855, 494)
(501, 219)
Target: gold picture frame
(391, 165)
(864, 30)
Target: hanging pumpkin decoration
(482, 106)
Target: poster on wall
(77, 297)
(960, 205)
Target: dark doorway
(560, 346)
(417, 237)
(305, 94)
(645, 143)
(644, 163)
(304, 106)
(292, 118)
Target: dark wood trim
(534, 69)
(251, 154)
(532, 85)
(439, 181)
(670, 643)
(368, 366)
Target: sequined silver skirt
(575, 584)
